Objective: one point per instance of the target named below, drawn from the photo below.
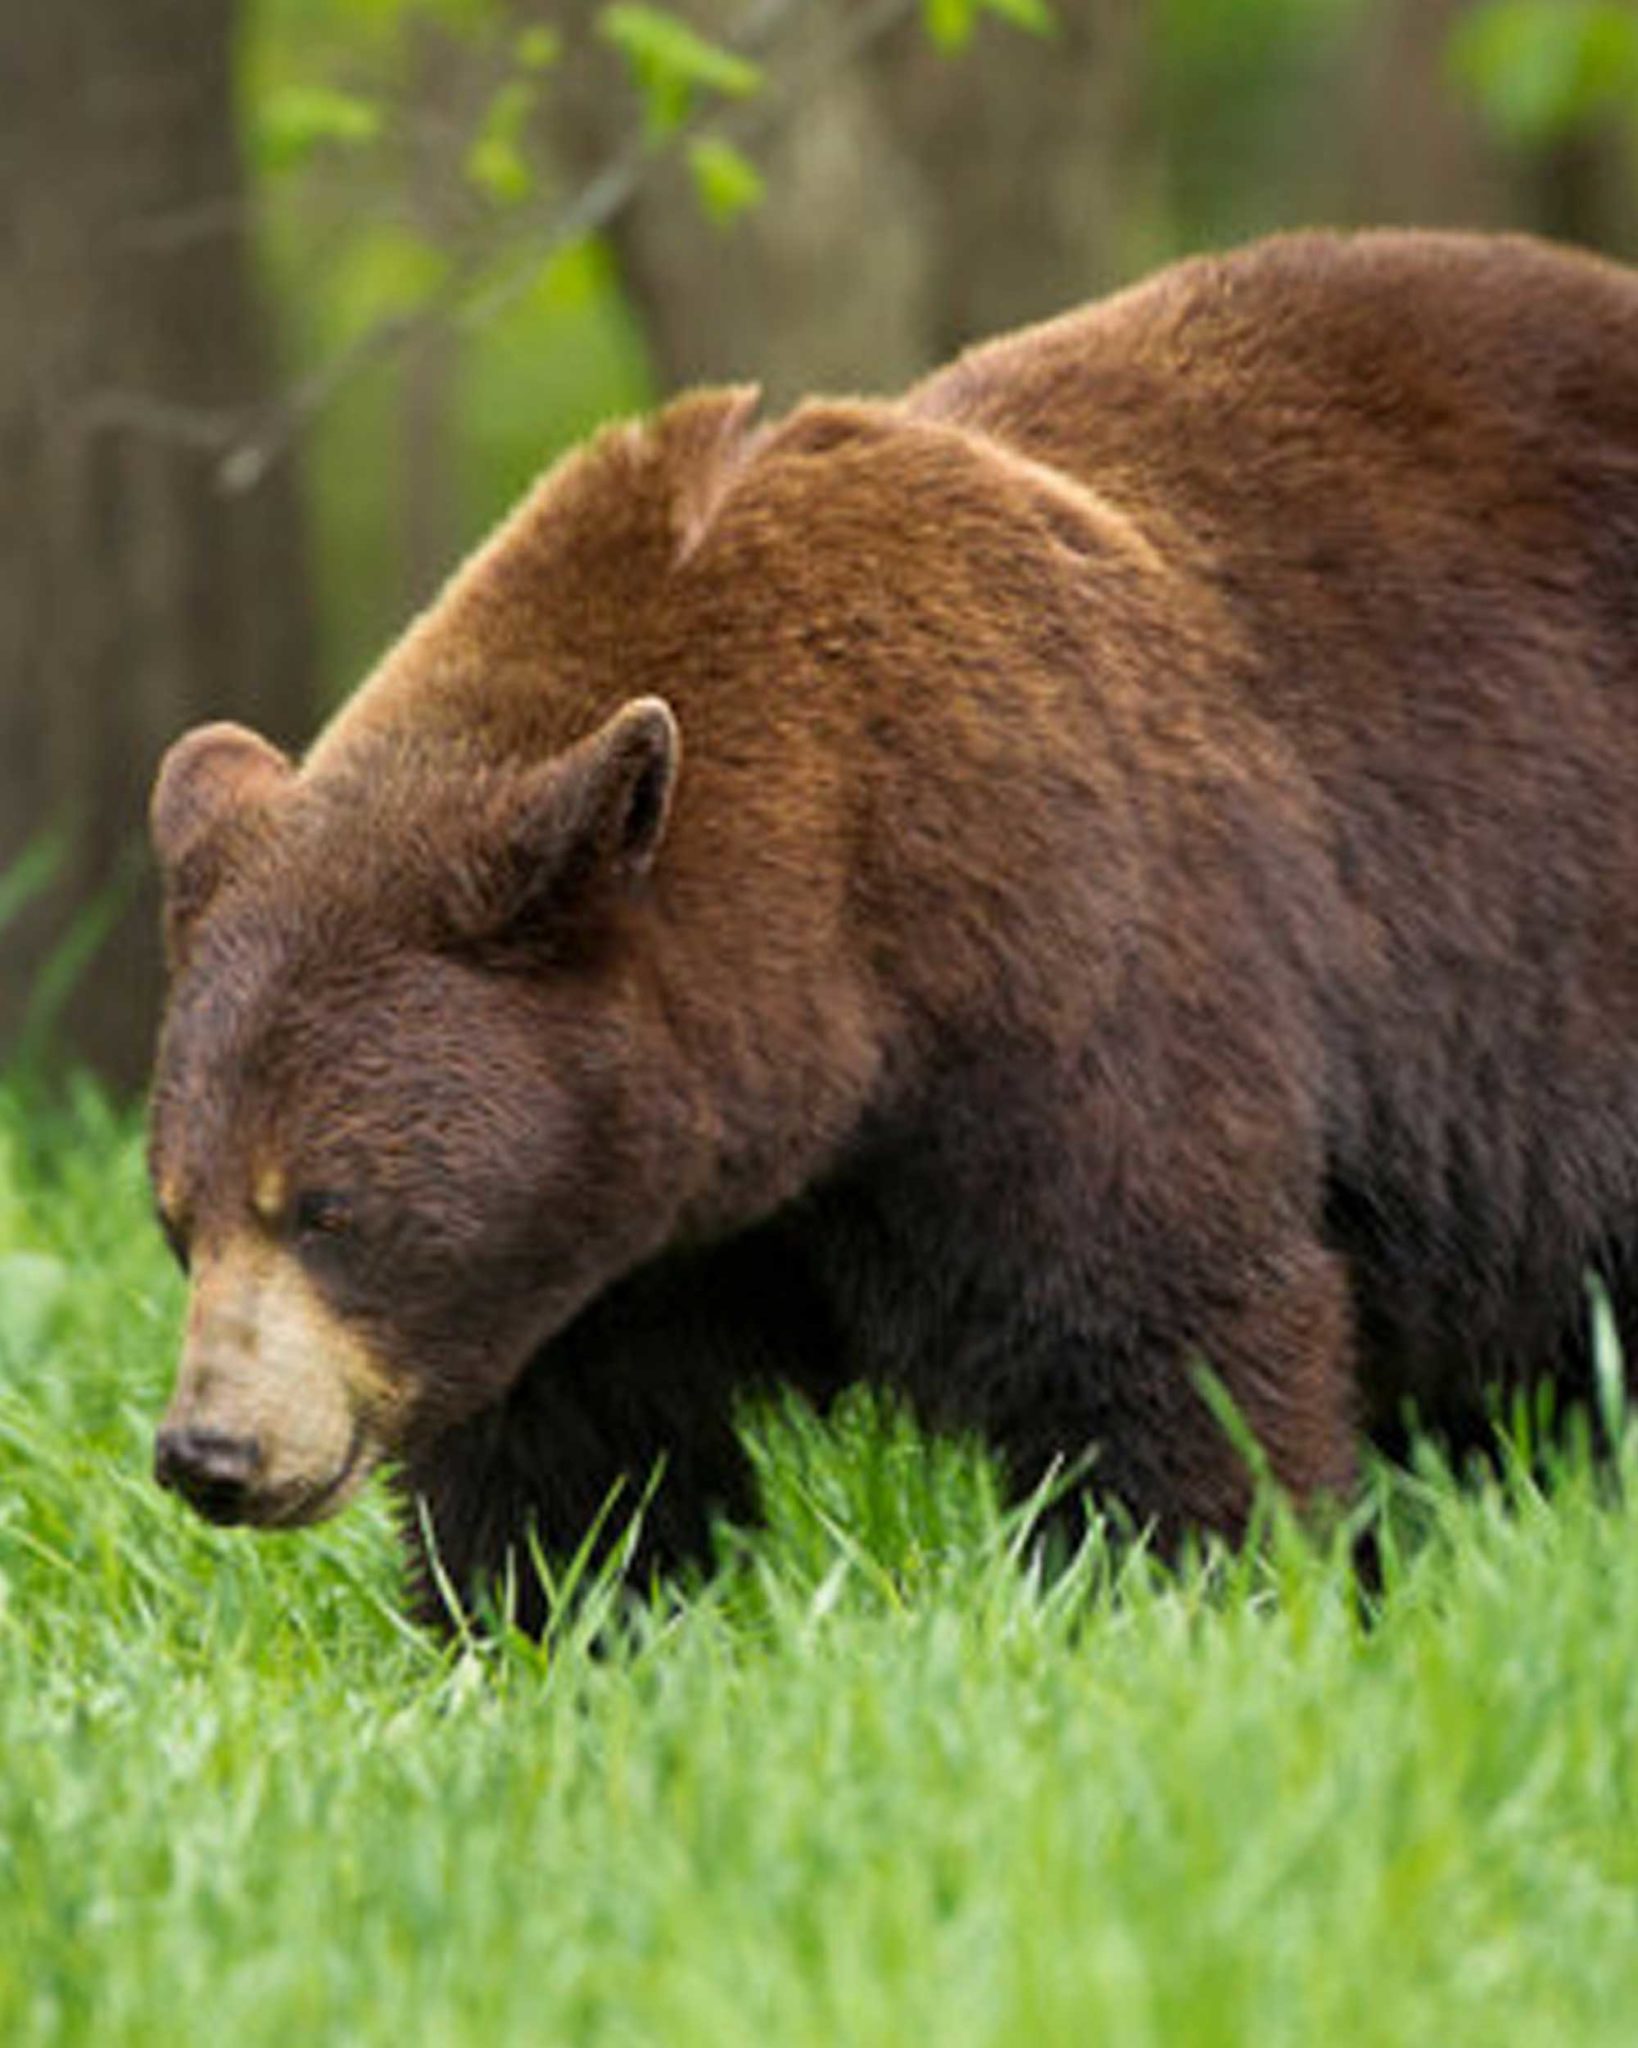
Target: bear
(1118, 861)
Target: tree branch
(247, 445)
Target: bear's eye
(320, 1215)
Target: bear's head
(411, 1109)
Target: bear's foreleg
(1278, 1343)
(629, 1412)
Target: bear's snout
(280, 1411)
(211, 1469)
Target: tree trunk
(1422, 154)
(826, 288)
(916, 200)
(1581, 188)
(1029, 154)
(1426, 155)
(429, 374)
(135, 597)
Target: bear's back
(1400, 468)
(1308, 358)
(1396, 477)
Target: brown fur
(1142, 871)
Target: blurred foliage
(673, 64)
(289, 125)
(329, 99)
(403, 181)
(728, 183)
(951, 23)
(1247, 86)
(1542, 69)
(497, 162)
(400, 149)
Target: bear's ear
(213, 778)
(706, 442)
(581, 830)
(611, 797)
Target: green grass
(876, 1782)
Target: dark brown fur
(1152, 878)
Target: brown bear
(1126, 856)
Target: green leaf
(390, 271)
(1540, 69)
(293, 122)
(537, 49)
(671, 63)
(496, 162)
(498, 168)
(459, 17)
(727, 182)
(1034, 17)
(950, 23)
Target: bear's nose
(210, 1468)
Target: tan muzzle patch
(273, 1378)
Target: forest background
(296, 296)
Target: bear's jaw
(280, 1410)
(295, 1509)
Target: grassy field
(874, 1783)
